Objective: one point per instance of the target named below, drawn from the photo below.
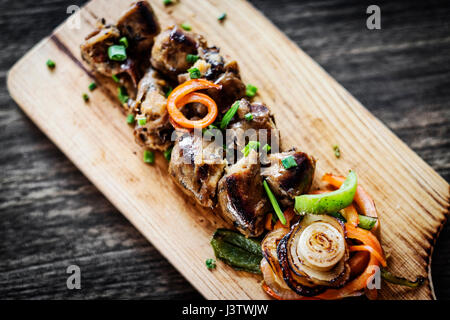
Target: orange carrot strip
(371, 250)
(184, 94)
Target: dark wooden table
(51, 216)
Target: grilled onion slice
(313, 255)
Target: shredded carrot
(351, 215)
(184, 94)
(273, 294)
(371, 250)
(268, 223)
(289, 214)
(358, 263)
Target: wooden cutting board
(312, 110)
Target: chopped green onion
(266, 148)
(51, 64)
(130, 118)
(208, 131)
(251, 145)
(289, 162)
(222, 17)
(192, 58)
(115, 78)
(250, 91)
(194, 73)
(92, 86)
(85, 97)
(168, 153)
(117, 53)
(210, 264)
(124, 41)
(186, 26)
(123, 95)
(229, 115)
(337, 151)
(169, 90)
(141, 120)
(249, 116)
(149, 156)
(274, 203)
(167, 2)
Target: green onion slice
(51, 64)
(289, 162)
(124, 41)
(92, 86)
(274, 203)
(251, 145)
(222, 17)
(229, 115)
(149, 156)
(249, 116)
(130, 118)
(186, 26)
(194, 73)
(117, 53)
(250, 91)
(192, 58)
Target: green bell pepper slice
(331, 202)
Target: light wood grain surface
(311, 109)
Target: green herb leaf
(51, 64)
(236, 250)
(92, 86)
(210, 264)
(289, 162)
(229, 115)
(249, 116)
(186, 26)
(194, 73)
(222, 17)
(167, 2)
(149, 156)
(274, 202)
(192, 58)
(251, 91)
(85, 97)
(130, 118)
(251, 145)
(117, 53)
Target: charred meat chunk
(140, 25)
(196, 166)
(261, 127)
(171, 49)
(150, 105)
(95, 50)
(294, 181)
(241, 196)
